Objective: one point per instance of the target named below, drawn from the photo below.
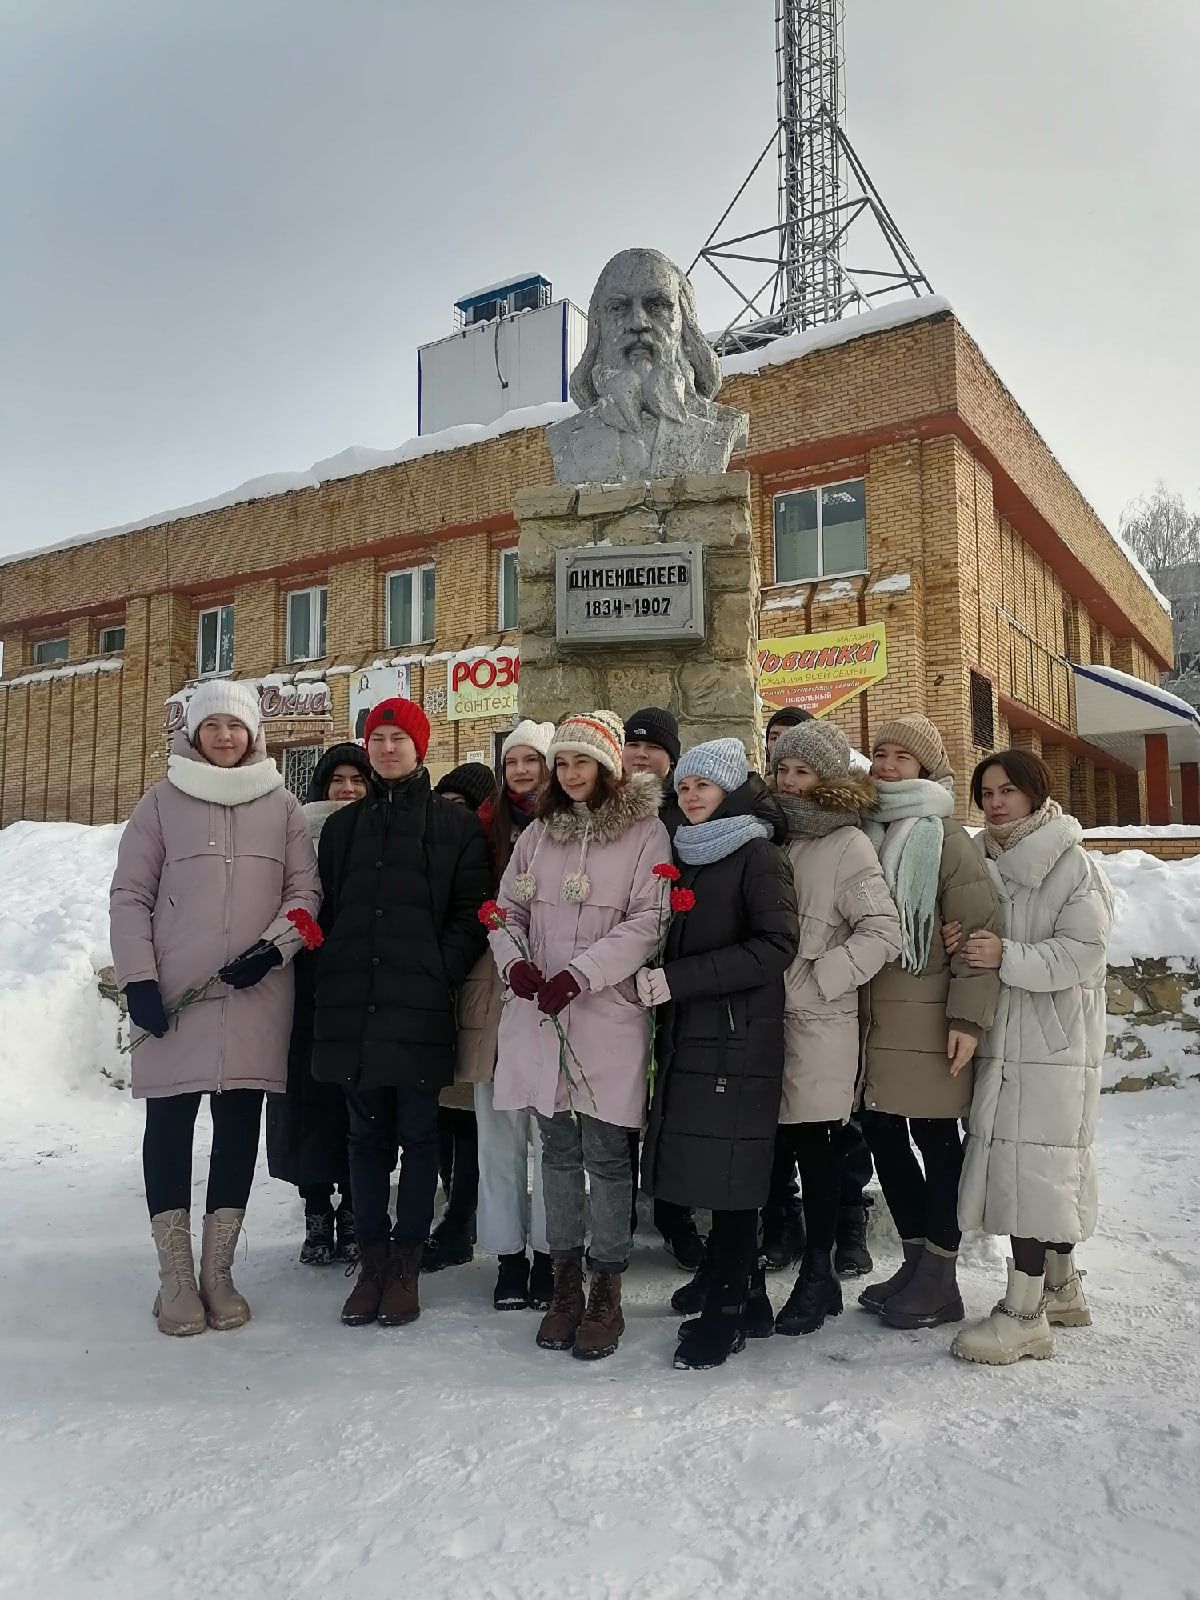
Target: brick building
(959, 531)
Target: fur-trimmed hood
(635, 800)
(854, 792)
(834, 803)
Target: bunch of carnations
(310, 937)
(493, 915)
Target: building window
(409, 603)
(111, 640)
(47, 650)
(307, 616)
(509, 581)
(983, 723)
(821, 533)
(299, 764)
(214, 641)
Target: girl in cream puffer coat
(849, 930)
(1029, 1170)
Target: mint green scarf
(905, 826)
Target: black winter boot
(782, 1237)
(760, 1319)
(684, 1241)
(691, 1298)
(512, 1283)
(347, 1234)
(319, 1247)
(817, 1295)
(851, 1258)
(451, 1244)
(541, 1281)
(717, 1333)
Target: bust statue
(645, 384)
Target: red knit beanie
(404, 714)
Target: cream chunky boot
(177, 1306)
(226, 1308)
(1017, 1327)
(1065, 1305)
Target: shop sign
(369, 687)
(277, 702)
(818, 671)
(482, 684)
(627, 594)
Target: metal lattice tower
(820, 265)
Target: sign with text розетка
(629, 594)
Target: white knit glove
(652, 986)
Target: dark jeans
(458, 1163)
(811, 1147)
(924, 1204)
(167, 1149)
(382, 1122)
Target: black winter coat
(307, 1127)
(403, 873)
(711, 1132)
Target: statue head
(645, 350)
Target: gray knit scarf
(807, 820)
(698, 844)
(905, 826)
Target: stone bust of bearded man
(645, 383)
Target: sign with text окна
(629, 594)
(817, 671)
(482, 684)
(368, 687)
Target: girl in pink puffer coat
(210, 863)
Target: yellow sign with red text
(817, 671)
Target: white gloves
(652, 986)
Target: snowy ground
(297, 1458)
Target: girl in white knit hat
(510, 1221)
(582, 908)
(211, 863)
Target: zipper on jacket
(228, 891)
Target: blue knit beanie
(721, 761)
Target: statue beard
(626, 392)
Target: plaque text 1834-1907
(625, 594)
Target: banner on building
(278, 701)
(482, 683)
(818, 671)
(368, 687)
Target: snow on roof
(504, 283)
(1163, 698)
(795, 345)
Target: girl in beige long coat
(849, 929)
(923, 1017)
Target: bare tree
(1160, 529)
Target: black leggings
(924, 1204)
(458, 1163)
(167, 1149)
(810, 1146)
(734, 1246)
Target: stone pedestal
(709, 684)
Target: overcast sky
(226, 226)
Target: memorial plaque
(627, 594)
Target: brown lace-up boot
(399, 1303)
(362, 1303)
(602, 1325)
(559, 1326)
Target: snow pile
(57, 1036)
(1153, 906)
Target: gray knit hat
(721, 761)
(819, 744)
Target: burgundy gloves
(557, 992)
(524, 979)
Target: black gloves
(146, 1010)
(252, 966)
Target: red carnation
(664, 869)
(492, 914)
(311, 936)
(682, 899)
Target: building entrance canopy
(1116, 712)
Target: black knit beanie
(338, 755)
(654, 725)
(787, 717)
(475, 782)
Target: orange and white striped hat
(599, 734)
